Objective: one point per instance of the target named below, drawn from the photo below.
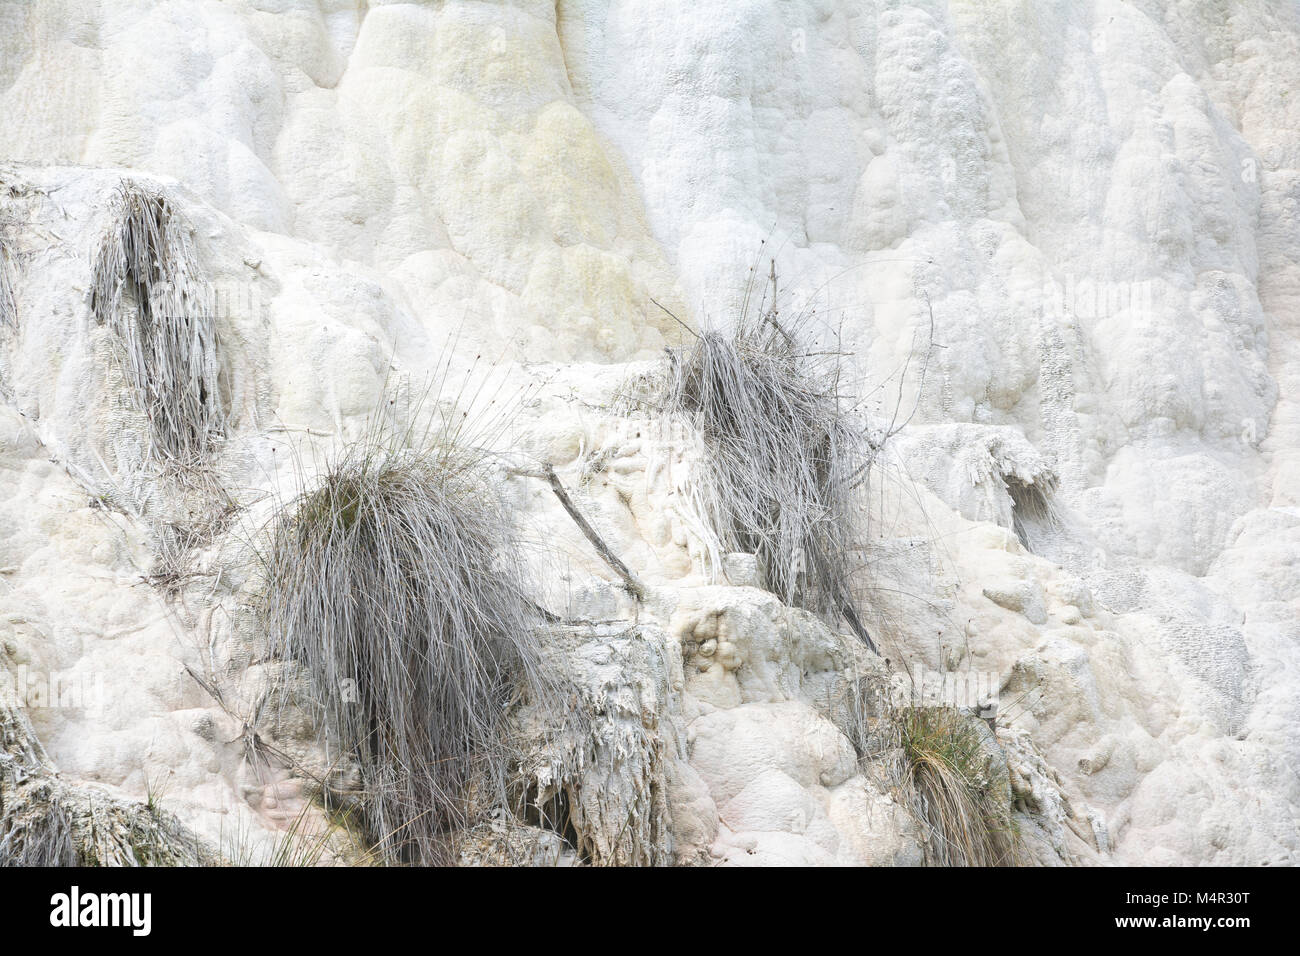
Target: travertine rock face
(1065, 234)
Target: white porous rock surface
(1060, 240)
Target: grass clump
(38, 839)
(45, 821)
(398, 582)
(951, 780)
(785, 457)
(148, 289)
(1034, 512)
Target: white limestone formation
(1061, 241)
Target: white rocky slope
(1100, 202)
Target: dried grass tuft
(38, 839)
(398, 582)
(785, 456)
(148, 288)
(1035, 515)
(47, 822)
(948, 778)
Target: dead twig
(630, 580)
